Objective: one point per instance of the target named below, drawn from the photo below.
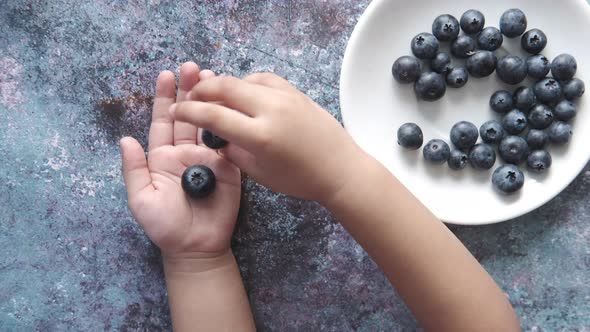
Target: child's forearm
(207, 294)
(445, 287)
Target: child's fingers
(203, 75)
(135, 169)
(271, 80)
(162, 127)
(227, 123)
(206, 74)
(186, 133)
(233, 93)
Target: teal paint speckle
(76, 76)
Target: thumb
(243, 159)
(135, 170)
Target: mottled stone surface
(77, 75)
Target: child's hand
(177, 224)
(278, 135)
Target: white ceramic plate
(374, 105)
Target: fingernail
(172, 109)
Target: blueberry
(441, 63)
(524, 98)
(563, 67)
(511, 69)
(430, 86)
(539, 161)
(436, 151)
(573, 89)
(464, 134)
(513, 149)
(533, 41)
(482, 156)
(538, 66)
(508, 178)
(472, 21)
(406, 69)
(536, 139)
(481, 64)
(445, 27)
(559, 132)
(491, 132)
(548, 91)
(198, 181)
(490, 39)
(564, 110)
(424, 46)
(457, 77)
(513, 23)
(501, 101)
(212, 141)
(458, 160)
(540, 117)
(409, 136)
(514, 122)
(463, 47)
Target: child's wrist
(365, 168)
(197, 262)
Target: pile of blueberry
(531, 116)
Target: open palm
(172, 220)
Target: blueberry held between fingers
(508, 178)
(409, 136)
(559, 132)
(482, 156)
(463, 47)
(481, 64)
(536, 139)
(436, 151)
(406, 69)
(524, 98)
(491, 132)
(457, 77)
(563, 67)
(564, 110)
(513, 149)
(198, 181)
(430, 86)
(513, 23)
(539, 161)
(458, 160)
(511, 69)
(464, 134)
(445, 27)
(538, 66)
(441, 63)
(548, 91)
(472, 21)
(212, 141)
(533, 41)
(514, 122)
(573, 89)
(501, 101)
(424, 45)
(540, 117)
(490, 39)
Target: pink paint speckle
(10, 71)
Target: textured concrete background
(77, 75)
